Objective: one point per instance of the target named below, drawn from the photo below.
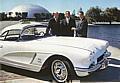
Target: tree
(48, 15)
(24, 15)
(0, 16)
(9, 16)
(37, 16)
(3, 16)
(10, 13)
(112, 14)
(43, 15)
(94, 14)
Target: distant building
(28, 11)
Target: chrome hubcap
(59, 71)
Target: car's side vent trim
(33, 58)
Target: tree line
(18, 16)
(8, 16)
(96, 14)
(93, 14)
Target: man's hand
(46, 34)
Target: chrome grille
(100, 58)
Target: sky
(60, 5)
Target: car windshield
(28, 33)
(10, 35)
(33, 32)
(14, 32)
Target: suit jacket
(82, 27)
(66, 27)
(53, 27)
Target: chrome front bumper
(100, 65)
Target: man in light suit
(67, 24)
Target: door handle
(1, 46)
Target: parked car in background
(25, 46)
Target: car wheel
(59, 70)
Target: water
(110, 33)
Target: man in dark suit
(54, 25)
(67, 24)
(82, 25)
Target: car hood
(77, 42)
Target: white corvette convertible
(26, 47)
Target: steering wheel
(41, 33)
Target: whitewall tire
(59, 70)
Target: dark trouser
(82, 34)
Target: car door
(2, 37)
(15, 51)
(1, 46)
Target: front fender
(79, 58)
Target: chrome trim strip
(30, 67)
(33, 58)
